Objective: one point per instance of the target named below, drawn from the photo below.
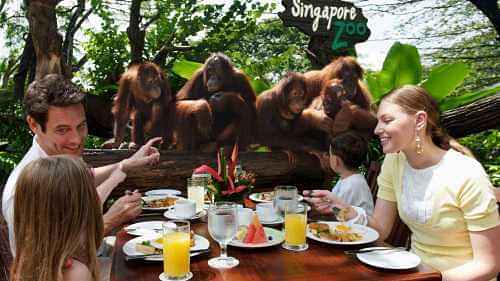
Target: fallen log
(270, 168)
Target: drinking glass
(285, 196)
(206, 179)
(176, 247)
(222, 226)
(295, 228)
(196, 192)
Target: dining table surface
(319, 262)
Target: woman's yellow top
(458, 199)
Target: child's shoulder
(357, 179)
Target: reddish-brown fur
(143, 96)
(234, 115)
(277, 126)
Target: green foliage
(444, 78)
(15, 138)
(402, 66)
(457, 101)
(108, 51)
(485, 147)
(185, 68)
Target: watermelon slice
(256, 233)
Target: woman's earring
(418, 142)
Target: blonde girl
(57, 222)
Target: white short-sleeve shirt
(34, 153)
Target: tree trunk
(28, 60)
(270, 168)
(473, 118)
(135, 34)
(46, 39)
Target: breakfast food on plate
(341, 232)
(146, 248)
(266, 196)
(160, 202)
(255, 233)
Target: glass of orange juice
(295, 228)
(176, 247)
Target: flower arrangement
(229, 182)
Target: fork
(361, 251)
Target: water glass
(176, 248)
(285, 196)
(196, 192)
(222, 226)
(295, 228)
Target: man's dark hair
(51, 90)
(351, 148)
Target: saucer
(170, 214)
(277, 220)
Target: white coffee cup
(245, 216)
(184, 208)
(266, 212)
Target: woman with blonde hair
(443, 196)
(57, 222)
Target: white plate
(276, 221)
(145, 228)
(170, 214)
(389, 259)
(369, 234)
(163, 192)
(200, 243)
(255, 197)
(151, 198)
(277, 238)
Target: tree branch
(491, 11)
(150, 21)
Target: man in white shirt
(56, 115)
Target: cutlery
(135, 229)
(143, 257)
(360, 251)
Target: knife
(143, 257)
(361, 251)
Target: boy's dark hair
(51, 90)
(351, 148)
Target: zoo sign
(341, 21)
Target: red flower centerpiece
(229, 182)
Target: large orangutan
(144, 96)
(345, 68)
(195, 128)
(341, 109)
(277, 112)
(339, 100)
(230, 97)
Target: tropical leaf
(259, 86)
(443, 79)
(186, 68)
(401, 67)
(372, 80)
(457, 101)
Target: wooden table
(320, 262)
